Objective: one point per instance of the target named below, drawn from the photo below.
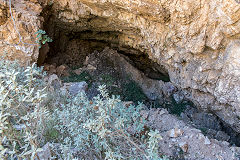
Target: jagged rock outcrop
(196, 41)
(27, 19)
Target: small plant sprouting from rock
(42, 38)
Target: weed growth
(101, 128)
(42, 38)
(84, 76)
(133, 92)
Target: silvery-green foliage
(154, 137)
(103, 128)
(22, 115)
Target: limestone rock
(174, 133)
(90, 67)
(27, 22)
(54, 82)
(62, 70)
(75, 87)
(46, 153)
(193, 143)
(184, 146)
(52, 69)
(196, 41)
(207, 141)
(144, 114)
(178, 97)
(206, 120)
(3, 14)
(222, 136)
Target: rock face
(181, 141)
(196, 41)
(17, 41)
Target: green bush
(102, 128)
(22, 115)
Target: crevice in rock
(151, 69)
(234, 136)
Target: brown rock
(52, 69)
(3, 14)
(128, 103)
(174, 133)
(184, 146)
(26, 16)
(78, 71)
(62, 70)
(46, 67)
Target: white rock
(91, 67)
(75, 87)
(86, 60)
(207, 141)
(178, 97)
(19, 127)
(174, 133)
(46, 153)
(54, 82)
(163, 111)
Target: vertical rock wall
(17, 41)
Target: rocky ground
(187, 132)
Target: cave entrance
(73, 42)
(72, 48)
(100, 56)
